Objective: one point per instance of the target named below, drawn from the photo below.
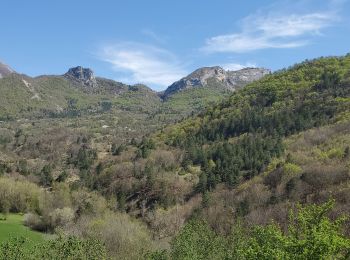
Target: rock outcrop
(230, 80)
(84, 76)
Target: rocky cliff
(84, 76)
(230, 80)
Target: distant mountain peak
(5, 70)
(230, 80)
(84, 76)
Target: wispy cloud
(139, 63)
(154, 36)
(272, 30)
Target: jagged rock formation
(244, 76)
(230, 80)
(5, 70)
(84, 76)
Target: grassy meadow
(13, 227)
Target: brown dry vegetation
(311, 172)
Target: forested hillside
(241, 135)
(265, 171)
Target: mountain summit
(84, 76)
(5, 70)
(230, 80)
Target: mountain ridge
(5, 70)
(47, 95)
(230, 80)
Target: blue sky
(156, 42)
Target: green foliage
(228, 162)
(62, 177)
(157, 255)
(329, 79)
(311, 235)
(84, 159)
(317, 236)
(19, 195)
(60, 248)
(46, 177)
(23, 167)
(71, 248)
(195, 99)
(291, 169)
(242, 134)
(117, 150)
(205, 199)
(13, 249)
(197, 241)
(124, 237)
(145, 147)
(229, 142)
(106, 105)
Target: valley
(219, 156)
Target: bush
(19, 195)
(34, 221)
(322, 176)
(61, 217)
(123, 237)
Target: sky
(156, 42)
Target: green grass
(13, 227)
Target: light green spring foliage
(311, 235)
(197, 241)
(67, 248)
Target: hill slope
(280, 140)
(307, 95)
(5, 70)
(251, 158)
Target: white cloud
(272, 31)
(139, 63)
(237, 66)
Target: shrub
(321, 176)
(19, 195)
(123, 237)
(292, 169)
(34, 221)
(61, 217)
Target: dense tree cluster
(242, 135)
